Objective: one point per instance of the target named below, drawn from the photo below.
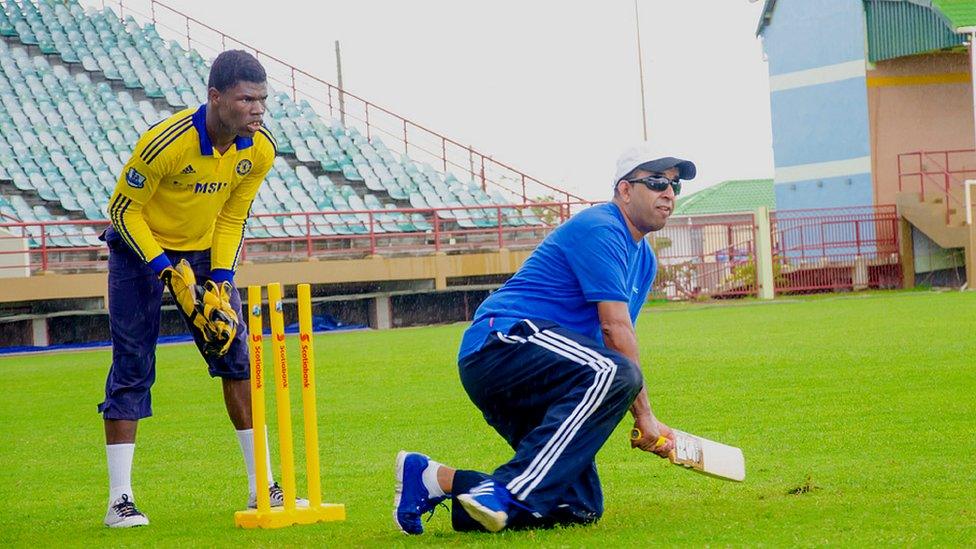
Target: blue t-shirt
(590, 258)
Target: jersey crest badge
(243, 167)
(135, 179)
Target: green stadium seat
(373, 183)
(53, 235)
(386, 223)
(320, 226)
(299, 195)
(371, 202)
(273, 227)
(368, 220)
(480, 217)
(70, 203)
(328, 163)
(295, 226)
(404, 181)
(47, 46)
(400, 219)
(173, 99)
(22, 182)
(303, 154)
(396, 192)
(338, 226)
(324, 203)
(417, 201)
(91, 209)
(418, 221)
(350, 222)
(509, 216)
(465, 218)
(349, 172)
(25, 33)
(257, 230)
(91, 237)
(530, 218)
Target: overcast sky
(549, 87)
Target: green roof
(741, 195)
(907, 27)
(960, 13)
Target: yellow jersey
(179, 193)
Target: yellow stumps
(266, 516)
(256, 339)
(307, 354)
(283, 402)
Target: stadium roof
(959, 14)
(742, 195)
(766, 16)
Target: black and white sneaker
(277, 496)
(122, 513)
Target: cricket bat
(705, 456)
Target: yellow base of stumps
(279, 517)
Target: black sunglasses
(659, 183)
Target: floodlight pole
(971, 249)
(972, 73)
(342, 93)
(640, 69)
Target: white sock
(119, 470)
(246, 439)
(430, 480)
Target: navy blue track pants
(555, 396)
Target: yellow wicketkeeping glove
(223, 318)
(206, 309)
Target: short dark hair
(232, 66)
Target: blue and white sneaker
(277, 498)
(411, 499)
(488, 504)
(122, 513)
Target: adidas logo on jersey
(188, 170)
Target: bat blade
(708, 457)
(705, 456)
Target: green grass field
(856, 414)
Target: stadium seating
(77, 88)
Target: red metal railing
(937, 173)
(378, 232)
(416, 141)
(832, 249)
(32, 247)
(706, 256)
(700, 256)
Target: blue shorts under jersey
(590, 258)
(134, 299)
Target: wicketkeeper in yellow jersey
(178, 216)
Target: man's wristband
(222, 275)
(159, 263)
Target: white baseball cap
(643, 157)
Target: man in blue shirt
(551, 360)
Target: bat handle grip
(635, 434)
